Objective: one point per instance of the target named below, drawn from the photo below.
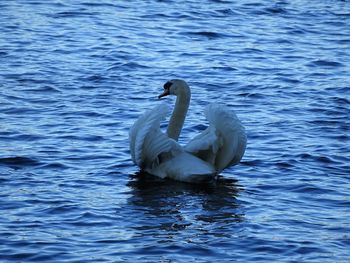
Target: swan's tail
(186, 168)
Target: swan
(220, 145)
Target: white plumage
(221, 145)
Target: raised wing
(147, 143)
(223, 143)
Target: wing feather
(223, 143)
(147, 141)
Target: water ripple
(75, 76)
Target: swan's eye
(167, 85)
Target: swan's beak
(165, 93)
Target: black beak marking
(167, 85)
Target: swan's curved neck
(179, 113)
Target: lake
(74, 77)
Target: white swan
(221, 145)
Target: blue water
(75, 75)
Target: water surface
(75, 75)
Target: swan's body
(221, 145)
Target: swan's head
(175, 87)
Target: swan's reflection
(174, 206)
